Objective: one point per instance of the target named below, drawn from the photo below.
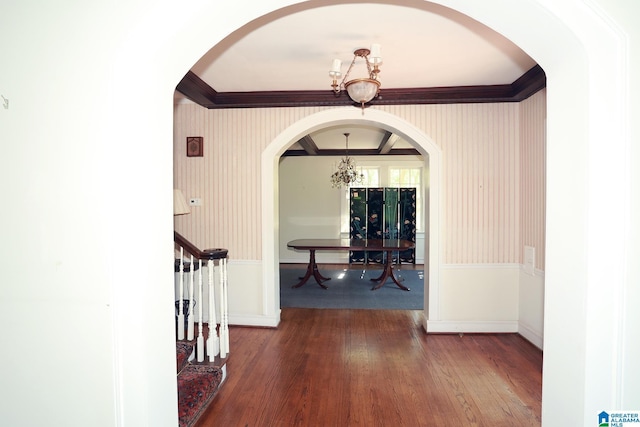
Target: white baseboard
(254, 320)
(531, 335)
(463, 326)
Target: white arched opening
(587, 236)
(588, 197)
(346, 116)
(585, 48)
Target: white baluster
(181, 297)
(200, 341)
(226, 307)
(190, 316)
(221, 293)
(213, 343)
(224, 315)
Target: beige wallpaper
(227, 178)
(479, 145)
(533, 174)
(486, 218)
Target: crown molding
(194, 88)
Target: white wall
(68, 161)
(478, 298)
(309, 207)
(531, 306)
(98, 138)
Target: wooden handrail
(216, 253)
(188, 246)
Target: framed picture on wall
(194, 146)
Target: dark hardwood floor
(375, 368)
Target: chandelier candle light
(346, 173)
(360, 90)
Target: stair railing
(217, 342)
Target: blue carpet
(350, 291)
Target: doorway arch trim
(349, 116)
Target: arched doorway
(577, 106)
(345, 116)
(590, 130)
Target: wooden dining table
(367, 245)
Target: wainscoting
(473, 298)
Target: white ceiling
(430, 46)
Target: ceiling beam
(309, 145)
(353, 153)
(387, 143)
